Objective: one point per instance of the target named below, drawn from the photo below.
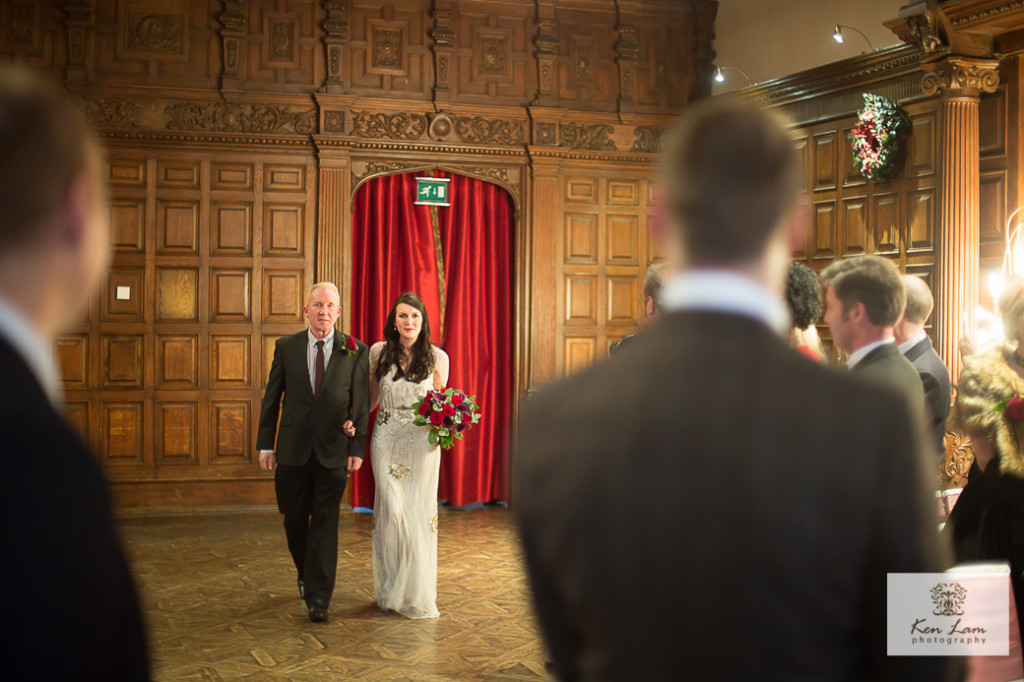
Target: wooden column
(961, 81)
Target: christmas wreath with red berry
(879, 138)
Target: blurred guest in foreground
(653, 279)
(711, 505)
(803, 296)
(917, 347)
(69, 607)
(988, 520)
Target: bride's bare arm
(375, 352)
(441, 367)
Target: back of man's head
(731, 176)
(654, 278)
(871, 280)
(44, 146)
(919, 300)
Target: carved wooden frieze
(479, 130)
(545, 134)
(334, 121)
(380, 168)
(648, 139)
(391, 126)
(582, 136)
(245, 118)
(110, 112)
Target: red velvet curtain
(394, 250)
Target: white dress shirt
(728, 292)
(862, 352)
(36, 351)
(910, 343)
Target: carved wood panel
(606, 247)
(222, 256)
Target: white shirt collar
(327, 339)
(36, 351)
(727, 292)
(910, 343)
(859, 354)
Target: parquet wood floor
(221, 604)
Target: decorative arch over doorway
(462, 261)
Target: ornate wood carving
(334, 121)
(247, 118)
(648, 139)
(335, 37)
(545, 134)
(392, 126)
(492, 55)
(583, 136)
(78, 15)
(546, 42)
(110, 112)
(960, 76)
(154, 32)
(958, 460)
(441, 127)
(479, 130)
(380, 168)
(626, 51)
(232, 21)
(444, 37)
(387, 49)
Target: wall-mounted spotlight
(720, 76)
(837, 34)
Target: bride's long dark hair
(421, 364)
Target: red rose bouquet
(448, 413)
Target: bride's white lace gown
(405, 466)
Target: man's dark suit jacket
(886, 365)
(935, 378)
(67, 598)
(311, 424)
(709, 504)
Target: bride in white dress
(405, 465)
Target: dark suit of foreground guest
(67, 599)
(886, 365)
(935, 379)
(709, 504)
(312, 451)
(772, 564)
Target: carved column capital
(956, 76)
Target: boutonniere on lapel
(1012, 408)
(350, 345)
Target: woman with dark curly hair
(406, 466)
(803, 295)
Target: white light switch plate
(124, 293)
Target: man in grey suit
(917, 347)
(319, 379)
(865, 299)
(707, 504)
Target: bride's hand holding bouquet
(448, 413)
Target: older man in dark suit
(67, 599)
(865, 299)
(917, 347)
(707, 504)
(319, 379)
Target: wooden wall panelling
(493, 56)
(153, 43)
(31, 33)
(387, 51)
(585, 67)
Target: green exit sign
(432, 191)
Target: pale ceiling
(767, 39)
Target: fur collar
(986, 379)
